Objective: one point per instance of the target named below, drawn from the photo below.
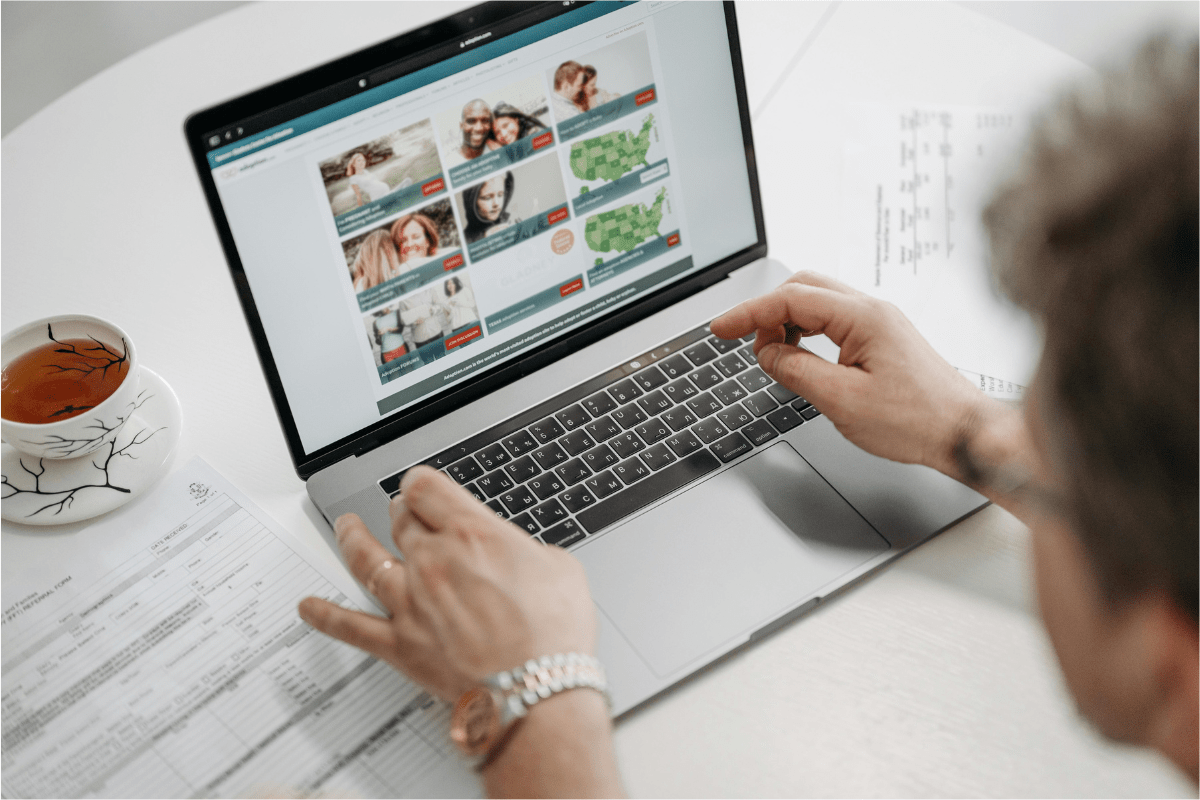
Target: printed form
(158, 653)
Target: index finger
(813, 308)
(434, 499)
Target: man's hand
(474, 595)
(889, 393)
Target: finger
(811, 278)
(813, 308)
(807, 374)
(364, 631)
(434, 499)
(407, 531)
(365, 557)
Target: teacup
(109, 348)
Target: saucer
(46, 491)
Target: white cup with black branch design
(49, 423)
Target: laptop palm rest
(713, 564)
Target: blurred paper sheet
(916, 180)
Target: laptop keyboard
(603, 450)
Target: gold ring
(387, 564)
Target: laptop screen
(411, 237)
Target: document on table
(158, 653)
(915, 183)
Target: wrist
(990, 435)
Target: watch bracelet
(541, 678)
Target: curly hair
(1096, 235)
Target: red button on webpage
(673, 240)
(543, 140)
(568, 288)
(557, 215)
(644, 97)
(464, 337)
(453, 261)
(434, 186)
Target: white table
(933, 678)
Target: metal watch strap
(537, 679)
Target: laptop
(493, 245)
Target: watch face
(475, 723)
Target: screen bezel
(338, 79)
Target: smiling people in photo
(376, 262)
(416, 239)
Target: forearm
(990, 452)
(563, 748)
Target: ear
(1174, 643)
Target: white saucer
(46, 491)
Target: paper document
(158, 653)
(915, 182)
(994, 387)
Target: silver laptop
(493, 245)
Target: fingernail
(341, 525)
(768, 357)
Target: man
(568, 83)
(476, 127)
(1097, 236)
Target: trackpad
(706, 569)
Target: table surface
(932, 678)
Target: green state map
(624, 228)
(612, 155)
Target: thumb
(805, 373)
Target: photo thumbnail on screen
(601, 86)
(512, 206)
(403, 254)
(382, 177)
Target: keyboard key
(710, 430)
(624, 391)
(576, 498)
(565, 535)
(730, 392)
(572, 472)
(754, 380)
(526, 521)
(810, 412)
(759, 404)
(749, 338)
(465, 471)
(704, 405)
(800, 404)
(493, 456)
(445, 458)
(626, 444)
(700, 353)
(658, 457)
(604, 484)
(545, 485)
(705, 378)
(646, 491)
(747, 354)
(683, 444)
(494, 483)
(576, 442)
(600, 458)
(518, 499)
(730, 447)
(495, 506)
(599, 404)
(781, 393)
(550, 455)
(785, 419)
(730, 365)
(675, 367)
(628, 416)
(602, 429)
(631, 470)
(547, 430)
(522, 469)
(650, 379)
(474, 490)
(572, 417)
(654, 403)
(520, 443)
(549, 513)
(724, 345)
(678, 418)
(759, 432)
(735, 417)
(653, 431)
(680, 390)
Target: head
(377, 260)
(414, 236)
(493, 197)
(507, 129)
(452, 287)
(1096, 235)
(356, 164)
(476, 124)
(568, 79)
(589, 87)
